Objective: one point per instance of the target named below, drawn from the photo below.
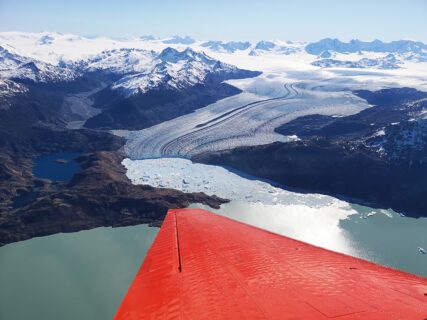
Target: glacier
(246, 119)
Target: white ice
(312, 218)
(246, 119)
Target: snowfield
(10, 88)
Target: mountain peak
(177, 70)
(179, 40)
(230, 46)
(265, 45)
(30, 66)
(46, 39)
(172, 55)
(147, 37)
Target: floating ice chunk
(386, 213)
(370, 214)
(215, 180)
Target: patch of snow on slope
(14, 66)
(10, 88)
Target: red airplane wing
(205, 266)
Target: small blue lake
(56, 166)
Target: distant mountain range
(145, 65)
(355, 46)
(136, 70)
(395, 51)
(142, 87)
(388, 62)
(231, 46)
(52, 57)
(179, 40)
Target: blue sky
(306, 20)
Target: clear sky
(305, 20)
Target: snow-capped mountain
(175, 82)
(50, 56)
(9, 60)
(265, 45)
(46, 39)
(388, 62)
(17, 67)
(9, 88)
(148, 37)
(354, 46)
(276, 47)
(179, 40)
(404, 50)
(56, 48)
(173, 69)
(230, 47)
(118, 61)
(259, 48)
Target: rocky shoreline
(99, 195)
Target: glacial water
(85, 275)
(82, 275)
(378, 235)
